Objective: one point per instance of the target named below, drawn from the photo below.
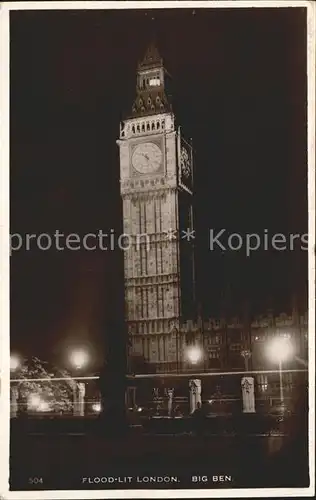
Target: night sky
(240, 93)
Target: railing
(55, 397)
(148, 126)
(220, 390)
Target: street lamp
(279, 350)
(194, 354)
(79, 358)
(15, 363)
(246, 354)
(97, 407)
(35, 402)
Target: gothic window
(148, 126)
(158, 125)
(133, 129)
(157, 99)
(142, 109)
(140, 102)
(152, 126)
(148, 100)
(138, 128)
(152, 107)
(143, 127)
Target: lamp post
(194, 355)
(79, 358)
(246, 354)
(247, 386)
(279, 350)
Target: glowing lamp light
(79, 358)
(43, 406)
(194, 354)
(280, 349)
(96, 407)
(34, 401)
(15, 362)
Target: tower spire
(153, 93)
(152, 58)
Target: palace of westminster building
(156, 182)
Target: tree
(55, 396)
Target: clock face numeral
(185, 163)
(147, 158)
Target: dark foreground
(91, 460)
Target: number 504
(35, 480)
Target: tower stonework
(156, 179)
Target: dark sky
(240, 93)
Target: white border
(4, 242)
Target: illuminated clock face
(185, 163)
(147, 158)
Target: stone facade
(222, 343)
(152, 193)
(223, 340)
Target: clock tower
(156, 165)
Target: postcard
(158, 236)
